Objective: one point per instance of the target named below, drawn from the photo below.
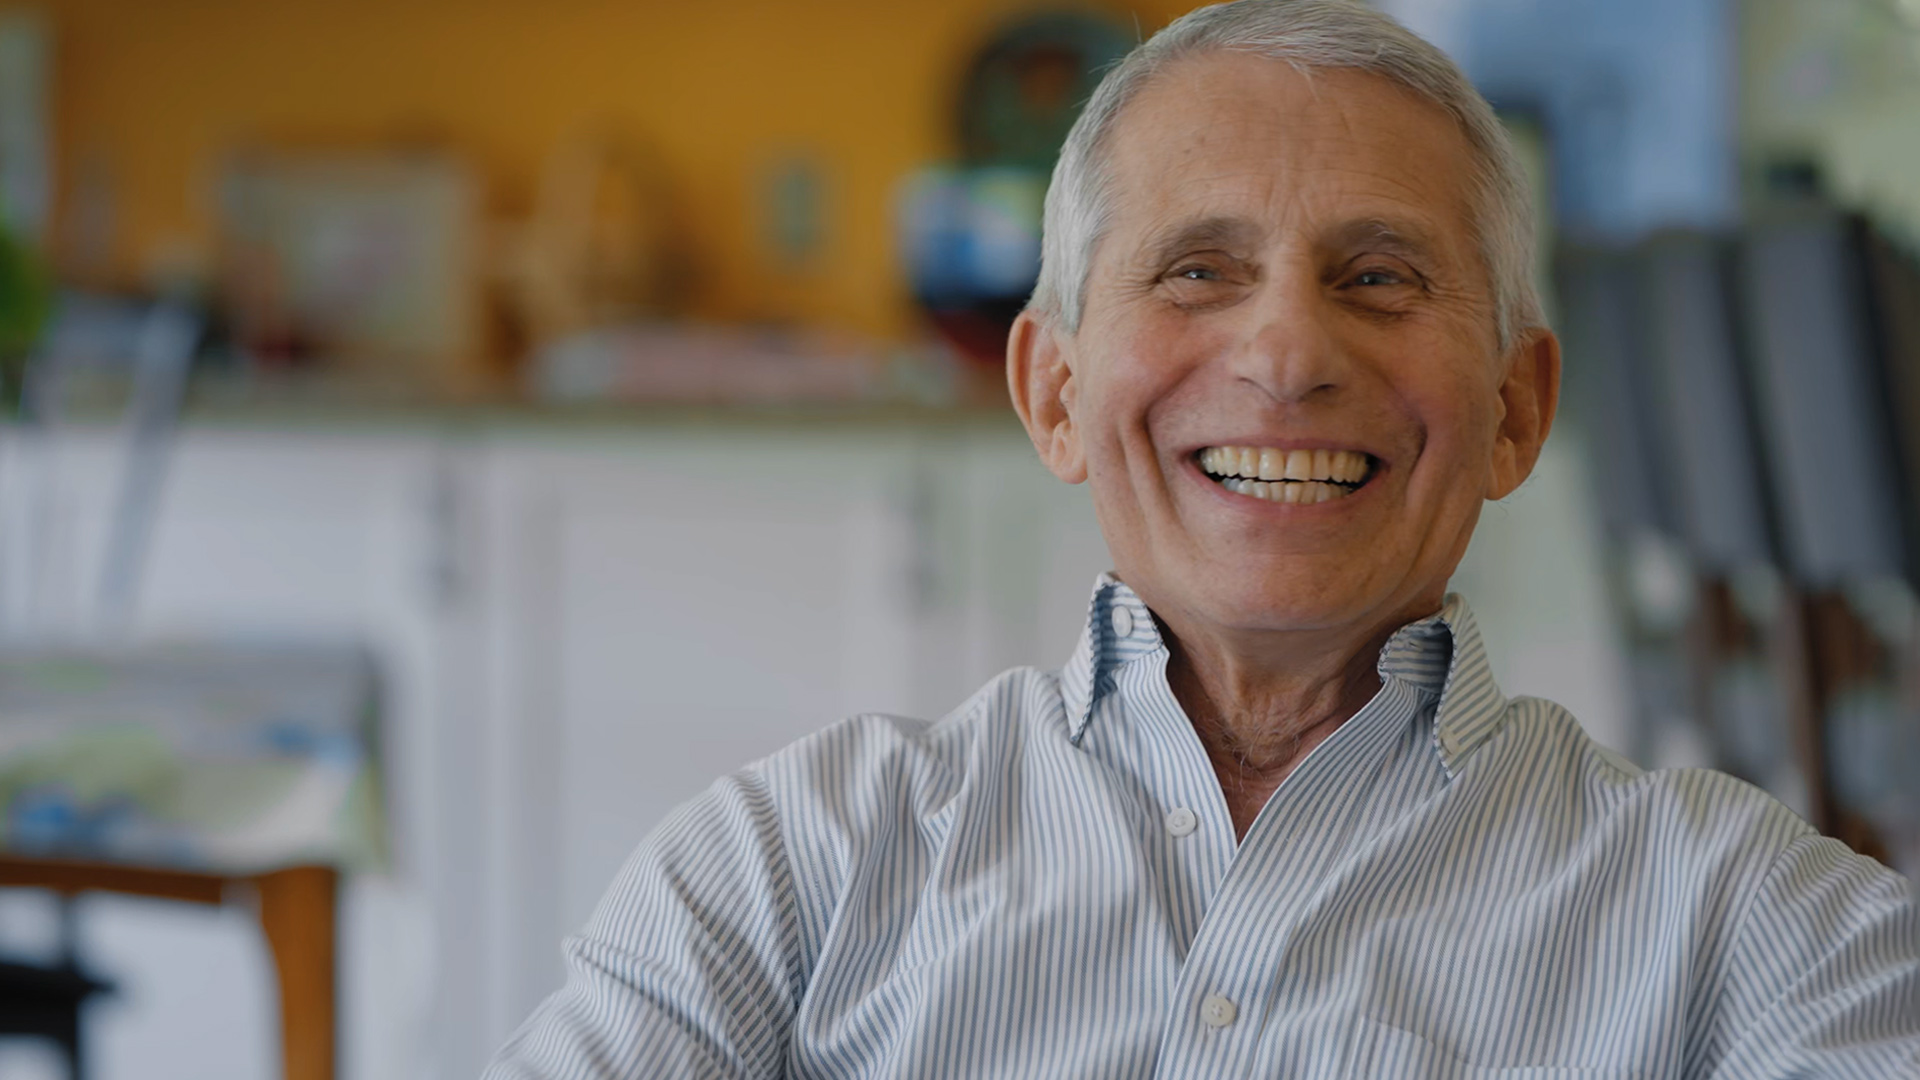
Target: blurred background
(442, 437)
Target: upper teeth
(1266, 463)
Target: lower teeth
(1286, 491)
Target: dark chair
(44, 1000)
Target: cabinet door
(1032, 556)
(670, 606)
(334, 535)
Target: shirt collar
(1119, 630)
(1441, 655)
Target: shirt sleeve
(689, 967)
(1824, 978)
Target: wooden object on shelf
(296, 909)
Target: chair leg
(70, 1041)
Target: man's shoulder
(1691, 846)
(879, 757)
(1699, 809)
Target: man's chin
(1290, 605)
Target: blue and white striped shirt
(1046, 883)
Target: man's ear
(1040, 380)
(1529, 396)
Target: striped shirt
(1046, 883)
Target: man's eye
(1197, 273)
(1377, 277)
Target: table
(202, 772)
(296, 908)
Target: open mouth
(1286, 476)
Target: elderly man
(1273, 818)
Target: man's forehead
(1213, 137)
(1226, 95)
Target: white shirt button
(1181, 821)
(1217, 1011)
(1122, 620)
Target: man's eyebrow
(1175, 240)
(1404, 238)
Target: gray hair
(1307, 34)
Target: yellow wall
(158, 89)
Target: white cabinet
(578, 629)
(670, 606)
(675, 603)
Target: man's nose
(1290, 350)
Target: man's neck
(1258, 716)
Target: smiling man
(1273, 818)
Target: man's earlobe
(1529, 396)
(1040, 381)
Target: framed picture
(363, 263)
